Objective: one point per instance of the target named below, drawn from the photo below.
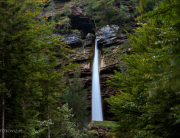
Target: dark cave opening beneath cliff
(83, 24)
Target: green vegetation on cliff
(111, 54)
(109, 124)
(108, 12)
(75, 98)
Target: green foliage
(29, 83)
(104, 124)
(83, 41)
(51, 9)
(63, 127)
(70, 31)
(75, 31)
(89, 9)
(111, 54)
(109, 124)
(148, 102)
(80, 1)
(107, 12)
(93, 132)
(63, 22)
(123, 14)
(66, 10)
(76, 99)
(104, 10)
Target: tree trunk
(3, 116)
(48, 120)
(23, 107)
(3, 101)
(77, 117)
(52, 9)
(108, 21)
(94, 21)
(48, 128)
(106, 17)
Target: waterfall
(96, 94)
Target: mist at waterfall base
(96, 93)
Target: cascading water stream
(96, 94)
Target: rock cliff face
(109, 62)
(73, 40)
(90, 38)
(109, 44)
(107, 36)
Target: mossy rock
(93, 132)
(110, 135)
(102, 128)
(108, 124)
(90, 35)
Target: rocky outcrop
(84, 72)
(89, 40)
(102, 128)
(101, 132)
(109, 68)
(81, 55)
(74, 39)
(107, 36)
(104, 70)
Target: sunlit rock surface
(74, 39)
(90, 38)
(107, 36)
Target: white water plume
(96, 93)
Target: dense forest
(40, 99)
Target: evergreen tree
(67, 20)
(148, 102)
(123, 14)
(107, 12)
(29, 82)
(51, 9)
(63, 21)
(91, 11)
(104, 10)
(76, 100)
(66, 10)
